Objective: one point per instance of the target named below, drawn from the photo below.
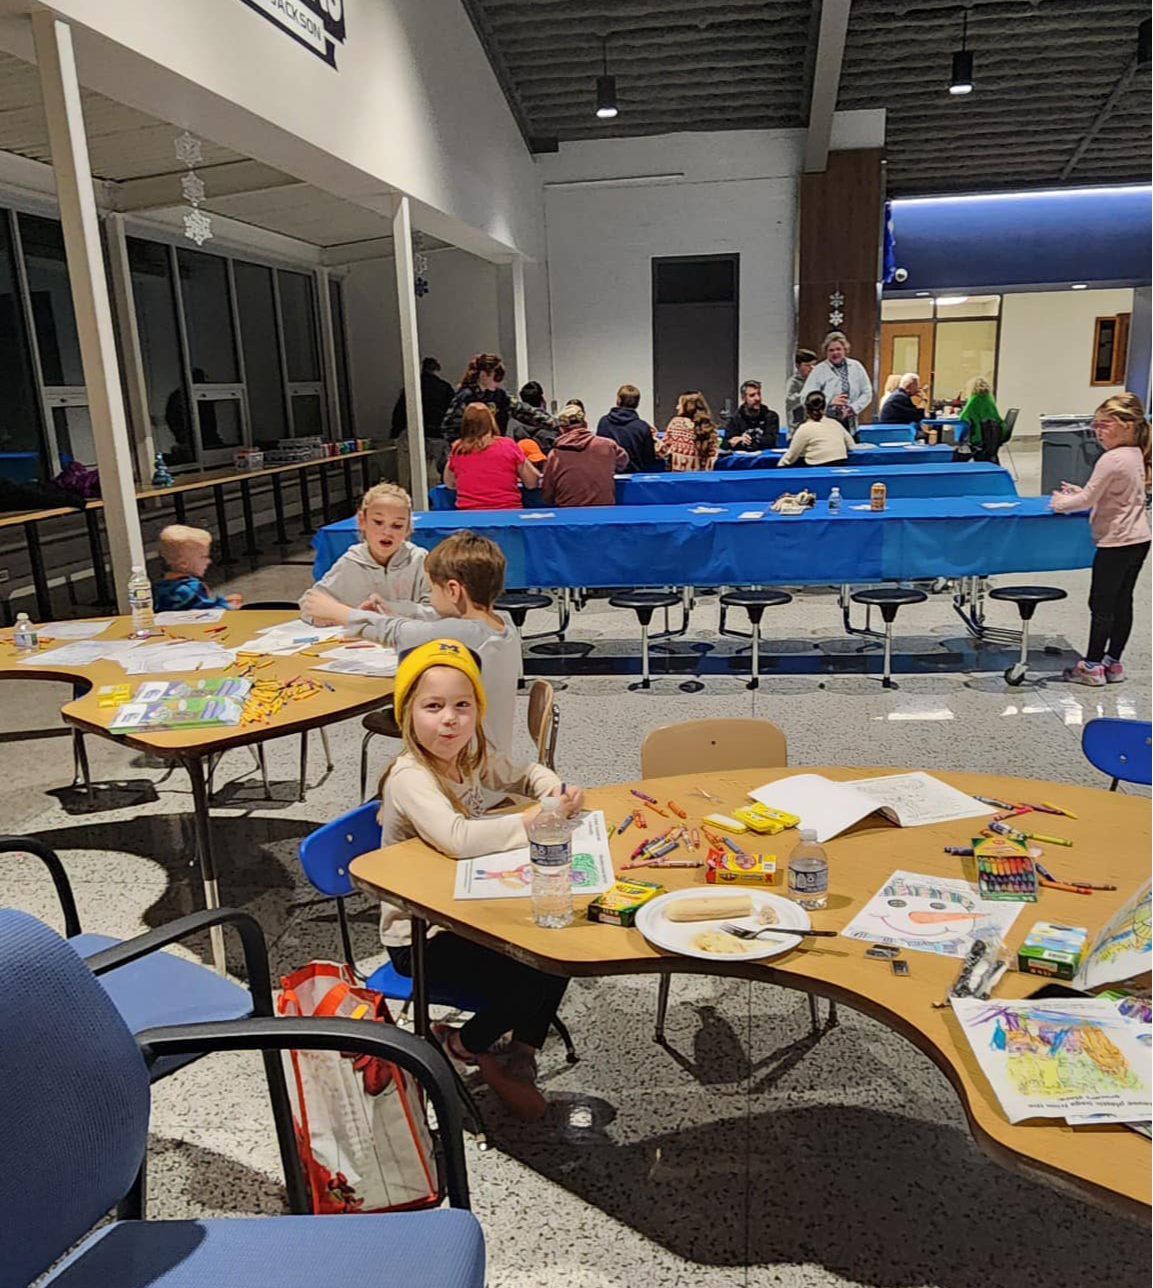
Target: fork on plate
(743, 932)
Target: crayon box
(619, 905)
(1053, 950)
(1005, 872)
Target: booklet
(175, 704)
(909, 800)
(1122, 948)
(509, 875)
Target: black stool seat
(382, 721)
(755, 598)
(522, 601)
(1028, 597)
(644, 599)
(882, 595)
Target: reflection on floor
(748, 1151)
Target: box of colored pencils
(1004, 869)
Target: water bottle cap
(550, 802)
(22, 617)
(807, 833)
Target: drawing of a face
(916, 911)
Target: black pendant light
(961, 81)
(606, 88)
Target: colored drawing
(1123, 948)
(583, 875)
(1057, 1058)
(509, 875)
(930, 915)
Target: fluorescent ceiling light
(1080, 286)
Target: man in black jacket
(753, 426)
(626, 429)
(435, 396)
(899, 408)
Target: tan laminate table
(350, 696)
(1105, 1164)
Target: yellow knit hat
(416, 661)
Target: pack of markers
(1005, 871)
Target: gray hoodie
(400, 582)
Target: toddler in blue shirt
(186, 552)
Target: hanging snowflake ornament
(836, 317)
(420, 287)
(197, 226)
(836, 300)
(420, 263)
(188, 149)
(192, 186)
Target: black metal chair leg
(303, 765)
(327, 749)
(662, 1007)
(368, 737)
(566, 1037)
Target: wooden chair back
(543, 721)
(710, 745)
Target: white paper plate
(678, 936)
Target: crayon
(966, 851)
(639, 819)
(1056, 809)
(1069, 889)
(656, 809)
(1047, 840)
(642, 796)
(676, 809)
(996, 804)
(695, 839)
(624, 824)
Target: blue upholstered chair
(76, 1085)
(1121, 748)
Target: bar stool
(378, 723)
(754, 602)
(1026, 598)
(644, 603)
(888, 599)
(518, 604)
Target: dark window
(298, 313)
(696, 281)
(21, 455)
(336, 295)
(263, 375)
(51, 295)
(307, 416)
(74, 439)
(208, 317)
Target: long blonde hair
(471, 760)
(1129, 409)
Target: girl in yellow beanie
(439, 789)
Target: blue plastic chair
(77, 1097)
(1120, 748)
(325, 856)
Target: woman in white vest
(844, 382)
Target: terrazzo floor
(749, 1151)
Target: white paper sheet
(751, 514)
(1061, 1057)
(190, 617)
(999, 505)
(930, 914)
(160, 659)
(1122, 949)
(73, 630)
(288, 638)
(919, 798)
(81, 653)
(509, 875)
(346, 660)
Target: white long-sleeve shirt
(414, 805)
(825, 378)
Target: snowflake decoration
(420, 263)
(836, 300)
(188, 149)
(420, 287)
(192, 186)
(197, 226)
(836, 317)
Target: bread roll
(732, 905)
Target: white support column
(135, 381)
(512, 323)
(409, 348)
(328, 358)
(60, 90)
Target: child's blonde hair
(1129, 409)
(477, 562)
(470, 760)
(178, 538)
(385, 492)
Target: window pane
(262, 370)
(344, 392)
(307, 420)
(208, 317)
(221, 426)
(20, 447)
(151, 270)
(696, 281)
(51, 300)
(964, 350)
(298, 311)
(74, 439)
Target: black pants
(516, 998)
(1115, 573)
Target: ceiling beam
(229, 179)
(1103, 114)
(833, 29)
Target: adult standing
(481, 382)
(804, 360)
(899, 407)
(435, 397)
(844, 382)
(753, 426)
(485, 466)
(624, 426)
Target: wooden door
(908, 346)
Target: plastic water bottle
(835, 501)
(809, 871)
(140, 603)
(24, 634)
(550, 851)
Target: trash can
(1069, 450)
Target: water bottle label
(816, 882)
(140, 596)
(550, 856)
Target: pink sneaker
(1114, 671)
(1086, 673)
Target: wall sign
(317, 24)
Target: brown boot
(522, 1097)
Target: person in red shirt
(580, 468)
(484, 467)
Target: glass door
(905, 347)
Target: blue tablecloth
(917, 454)
(980, 478)
(709, 545)
(879, 435)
